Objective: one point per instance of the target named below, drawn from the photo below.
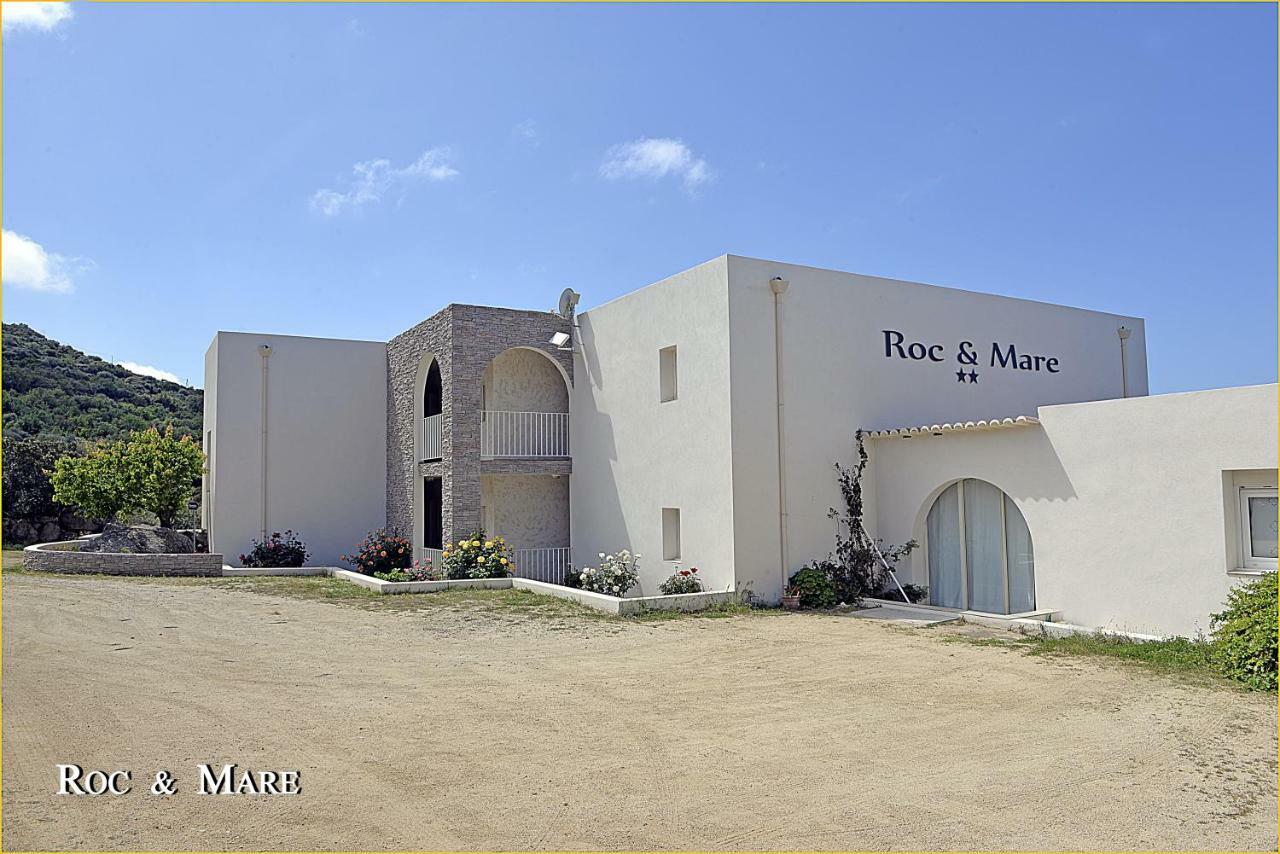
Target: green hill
(51, 389)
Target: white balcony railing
(524, 434)
(428, 439)
(436, 556)
(547, 565)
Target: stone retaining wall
(52, 557)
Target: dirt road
(444, 728)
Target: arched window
(979, 551)
(432, 397)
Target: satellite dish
(568, 301)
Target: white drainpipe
(264, 350)
(1123, 332)
(779, 287)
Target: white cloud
(33, 16)
(371, 180)
(656, 158)
(526, 132)
(26, 264)
(149, 371)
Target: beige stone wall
(465, 339)
(530, 511)
(520, 380)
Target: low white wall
(596, 601)
(1130, 503)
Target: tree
(27, 461)
(94, 482)
(162, 470)
(150, 472)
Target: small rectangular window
(667, 374)
(670, 533)
(1258, 528)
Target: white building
(697, 420)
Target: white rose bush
(616, 574)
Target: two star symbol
(971, 377)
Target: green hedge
(1244, 634)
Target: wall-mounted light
(559, 340)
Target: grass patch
(1173, 655)
(727, 609)
(1182, 657)
(13, 559)
(515, 604)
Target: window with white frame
(1258, 528)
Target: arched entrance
(979, 551)
(524, 442)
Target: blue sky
(345, 170)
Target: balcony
(523, 435)
(428, 438)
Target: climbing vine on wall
(858, 571)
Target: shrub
(682, 581)
(418, 571)
(814, 585)
(276, 550)
(1244, 634)
(915, 592)
(381, 551)
(616, 574)
(477, 557)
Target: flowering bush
(616, 574)
(277, 550)
(682, 581)
(420, 570)
(381, 552)
(477, 557)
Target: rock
(139, 539)
(199, 536)
(75, 524)
(67, 525)
(20, 532)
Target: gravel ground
(448, 726)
